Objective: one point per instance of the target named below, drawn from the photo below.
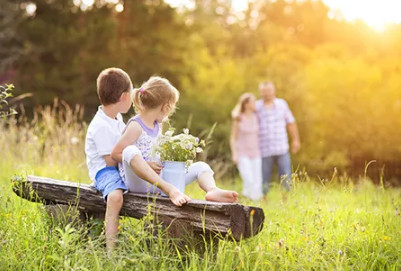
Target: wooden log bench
(197, 217)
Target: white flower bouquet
(181, 148)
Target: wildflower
(182, 147)
(281, 242)
(386, 238)
(74, 140)
(340, 252)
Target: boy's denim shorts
(107, 180)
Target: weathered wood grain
(197, 216)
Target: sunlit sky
(376, 13)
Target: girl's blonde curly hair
(155, 92)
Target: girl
(244, 146)
(154, 101)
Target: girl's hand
(177, 197)
(155, 166)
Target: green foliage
(63, 56)
(11, 48)
(5, 93)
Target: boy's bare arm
(130, 135)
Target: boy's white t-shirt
(102, 135)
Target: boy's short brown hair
(111, 84)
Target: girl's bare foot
(220, 195)
(178, 198)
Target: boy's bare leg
(114, 204)
(213, 193)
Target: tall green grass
(332, 224)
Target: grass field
(332, 224)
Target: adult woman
(244, 144)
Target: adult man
(275, 118)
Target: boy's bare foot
(220, 195)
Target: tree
(11, 17)
(65, 49)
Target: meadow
(328, 223)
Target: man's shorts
(107, 180)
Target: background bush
(341, 79)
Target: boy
(113, 88)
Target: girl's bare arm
(131, 134)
